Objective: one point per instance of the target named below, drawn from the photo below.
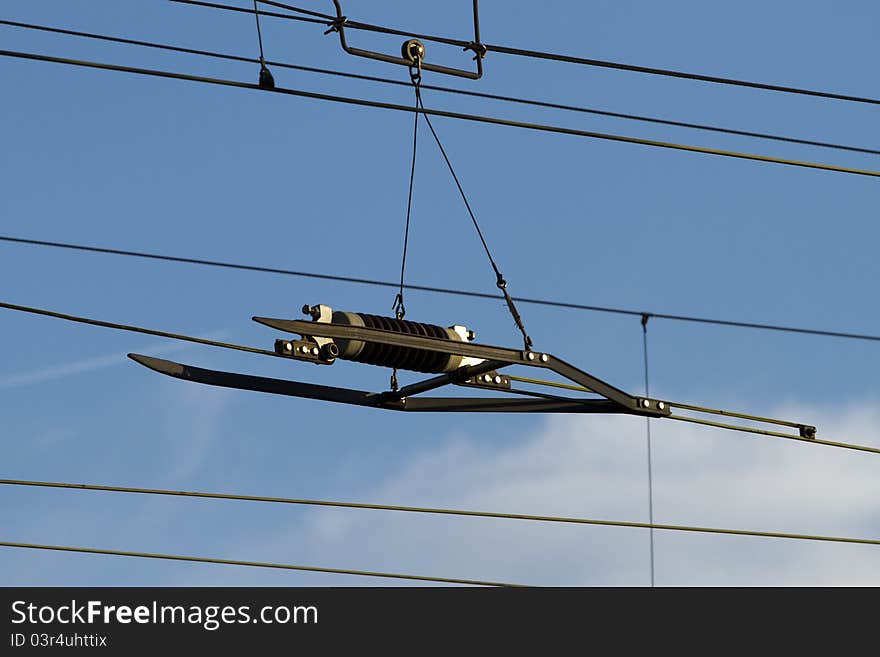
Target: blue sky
(129, 162)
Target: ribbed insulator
(404, 358)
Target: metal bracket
(491, 380)
(307, 350)
(501, 355)
(807, 431)
(409, 59)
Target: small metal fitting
(413, 51)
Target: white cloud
(595, 467)
(82, 366)
(591, 467)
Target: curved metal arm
(478, 48)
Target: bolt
(487, 378)
(646, 403)
(303, 349)
(315, 351)
(661, 405)
(530, 356)
(544, 358)
(288, 346)
(497, 380)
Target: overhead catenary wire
(262, 12)
(774, 434)
(556, 57)
(252, 564)
(490, 120)
(650, 525)
(449, 291)
(440, 511)
(450, 90)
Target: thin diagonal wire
(535, 54)
(262, 12)
(501, 282)
(259, 32)
(299, 10)
(439, 511)
(135, 329)
(399, 307)
(462, 92)
(252, 564)
(648, 444)
(435, 112)
(460, 190)
(775, 434)
(552, 384)
(442, 290)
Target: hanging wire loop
(415, 73)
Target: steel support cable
(266, 79)
(252, 564)
(259, 32)
(449, 90)
(439, 511)
(399, 306)
(645, 319)
(450, 291)
(174, 336)
(500, 281)
(540, 127)
(556, 57)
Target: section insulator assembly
(404, 358)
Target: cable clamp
(413, 51)
(807, 431)
(336, 25)
(398, 307)
(478, 49)
(266, 80)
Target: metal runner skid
(317, 346)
